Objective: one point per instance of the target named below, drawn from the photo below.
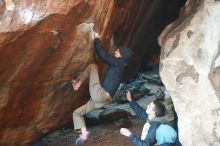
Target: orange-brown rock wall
(43, 44)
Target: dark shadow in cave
(152, 18)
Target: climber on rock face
(101, 92)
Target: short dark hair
(159, 108)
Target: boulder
(189, 68)
(111, 115)
(43, 45)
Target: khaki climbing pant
(99, 97)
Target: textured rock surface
(43, 44)
(190, 63)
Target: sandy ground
(102, 135)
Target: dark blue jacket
(150, 139)
(116, 66)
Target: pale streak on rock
(84, 31)
(10, 5)
(83, 41)
(4, 96)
